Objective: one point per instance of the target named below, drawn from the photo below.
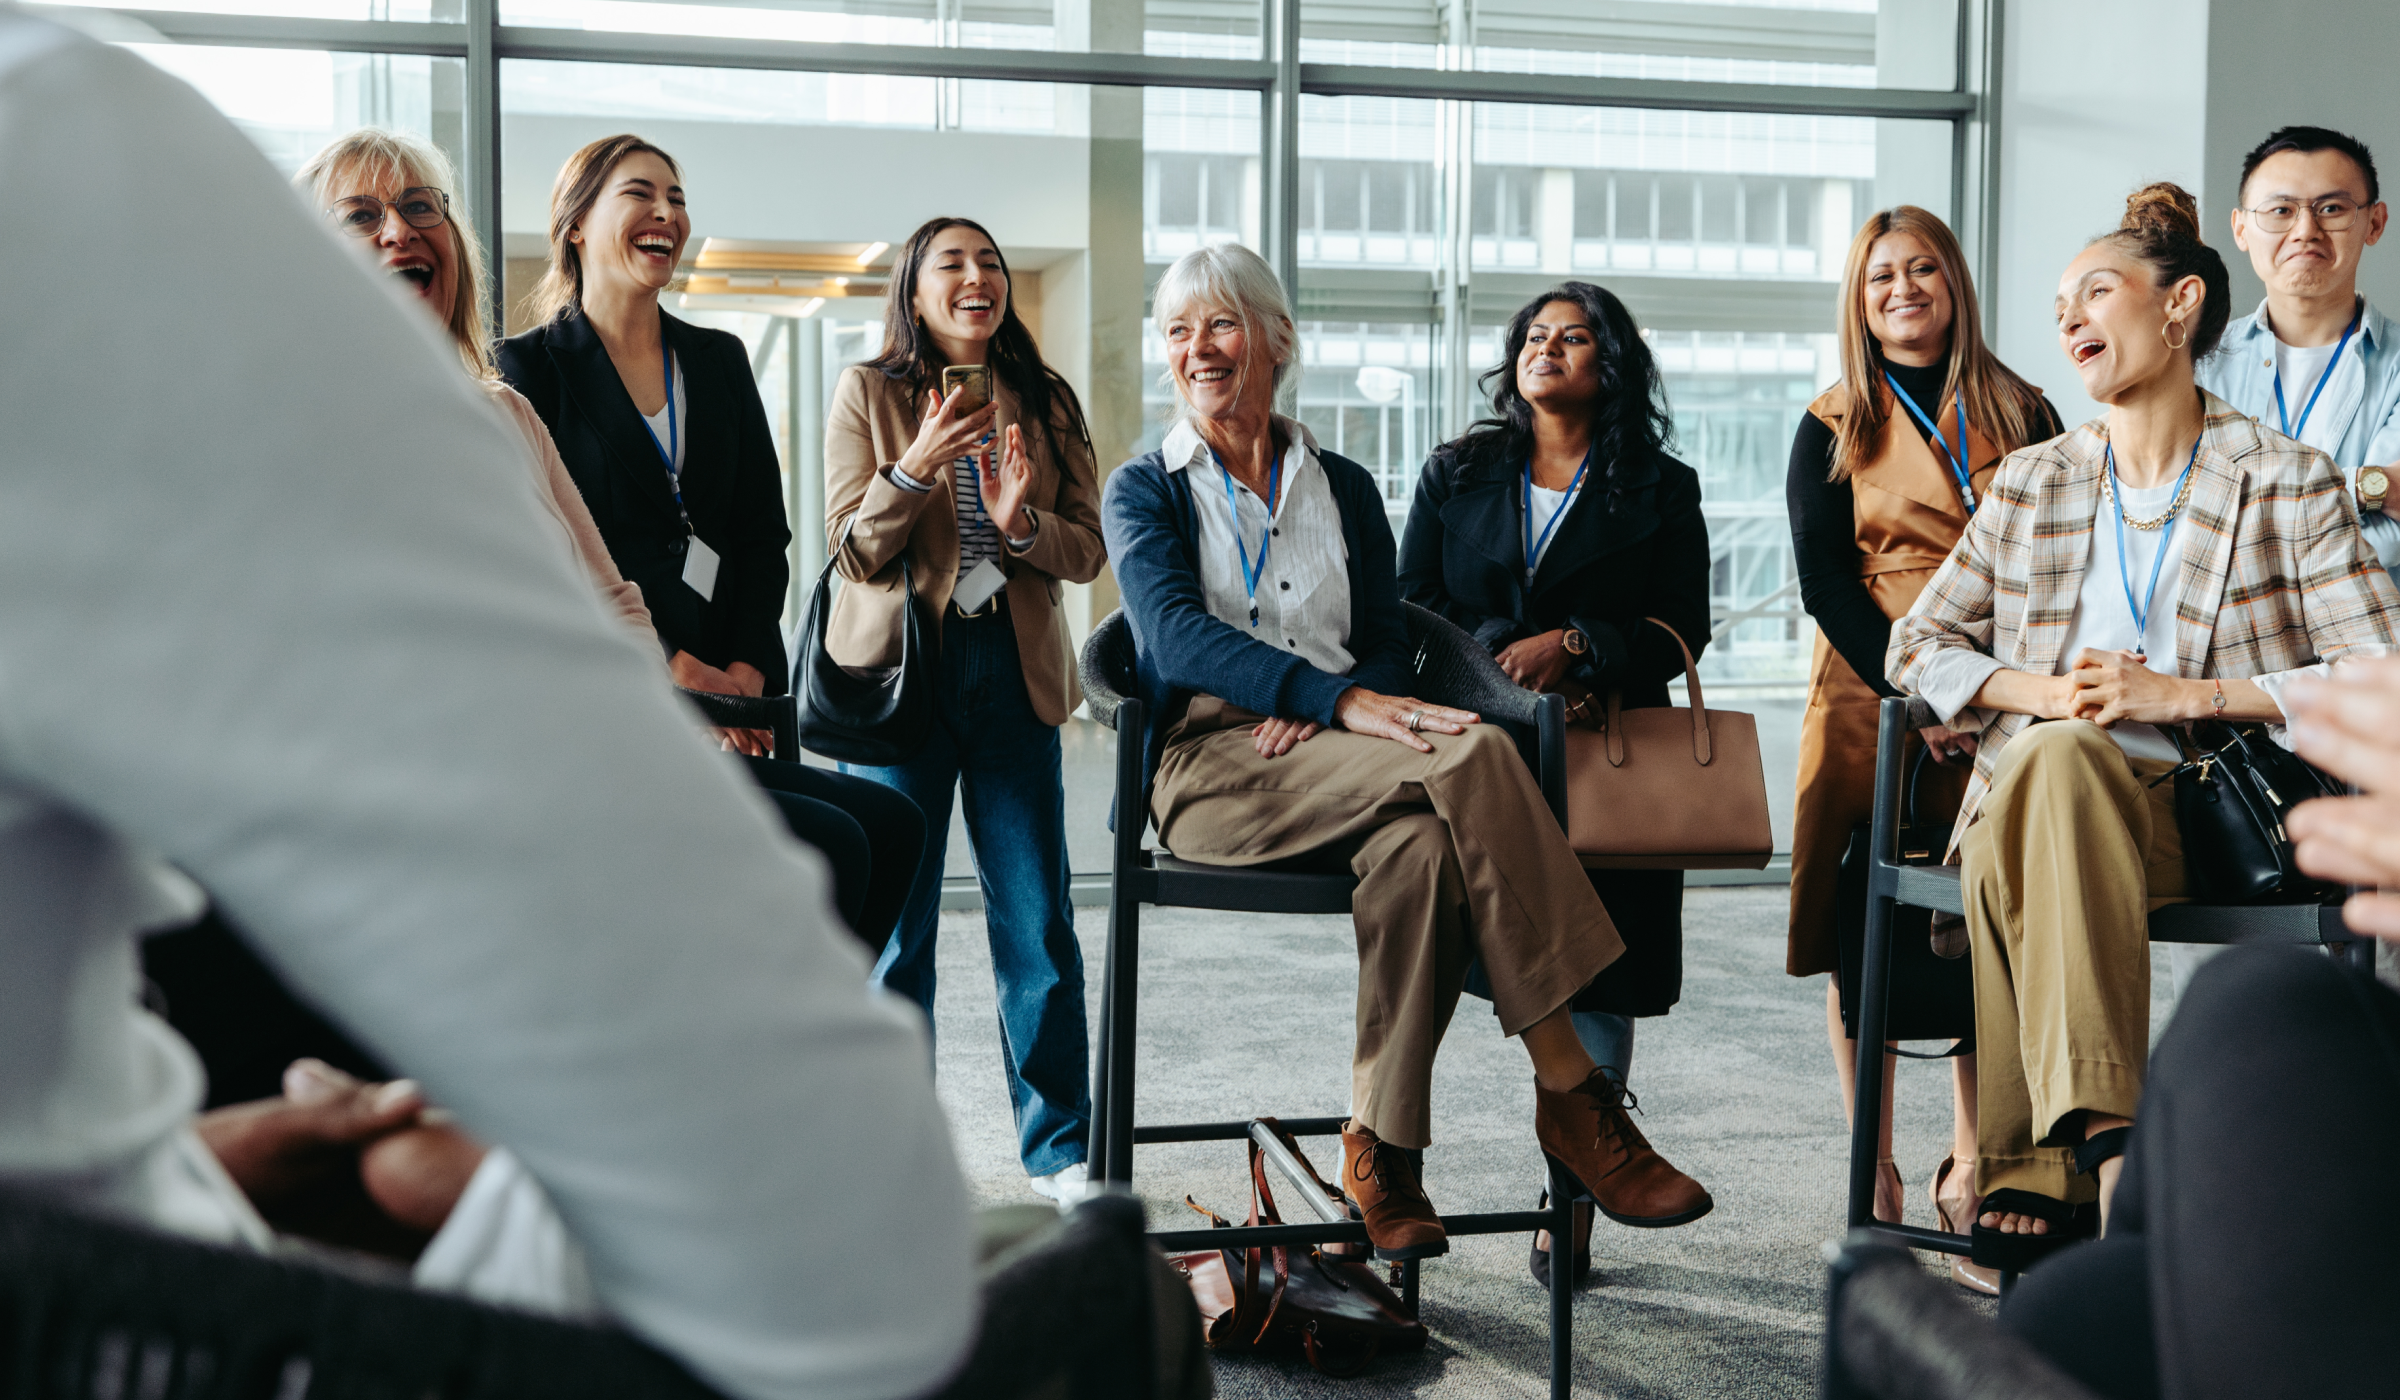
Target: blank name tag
(700, 569)
(977, 588)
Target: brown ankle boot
(1381, 1182)
(1589, 1129)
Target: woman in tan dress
(1880, 489)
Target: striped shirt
(978, 537)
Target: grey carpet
(1246, 1015)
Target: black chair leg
(1124, 960)
(1562, 1280)
(1866, 1114)
(1095, 1147)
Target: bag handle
(1262, 1211)
(1703, 748)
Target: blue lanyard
(1250, 575)
(674, 444)
(1534, 543)
(2281, 416)
(1956, 461)
(2141, 610)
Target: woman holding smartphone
(988, 488)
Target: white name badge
(700, 569)
(977, 588)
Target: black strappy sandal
(1996, 1249)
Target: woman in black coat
(1550, 532)
(660, 424)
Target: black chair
(777, 714)
(1936, 887)
(1451, 669)
(1893, 1333)
(1076, 1307)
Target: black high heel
(1537, 1259)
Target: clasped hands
(739, 678)
(2113, 687)
(1362, 711)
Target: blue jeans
(987, 740)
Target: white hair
(1229, 275)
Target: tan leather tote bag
(1668, 788)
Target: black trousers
(2250, 1249)
(872, 836)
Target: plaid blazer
(2275, 573)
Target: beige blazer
(868, 521)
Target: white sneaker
(1065, 1187)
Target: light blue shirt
(2242, 373)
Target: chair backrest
(89, 1309)
(1894, 1333)
(1452, 668)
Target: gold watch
(1574, 642)
(2374, 483)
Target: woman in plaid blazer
(2172, 561)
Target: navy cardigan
(1182, 650)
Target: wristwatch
(1575, 642)
(2374, 483)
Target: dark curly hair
(1630, 422)
(2162, 228)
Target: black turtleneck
(1825, 526)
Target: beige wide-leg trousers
(2068, 856)
(1456, 855)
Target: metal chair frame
(1936, 887)
(777, 714)
(1449, 666)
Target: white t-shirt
(2104, 619)
(1547, 506)
(671, 432)
(2299, 367)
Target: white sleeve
(1948, 683)
(280, 608)
(505, 1244)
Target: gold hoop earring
(2174, 344)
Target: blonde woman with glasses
(1886, 470)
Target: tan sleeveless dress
(1909, 516)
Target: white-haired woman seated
(1258, 573)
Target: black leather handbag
(2230, 805)
(1932, 997)
(879, 715)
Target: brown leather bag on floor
(1295, 1298)
(1668, 788)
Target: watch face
(2374, 482)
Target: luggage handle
(1702, 746)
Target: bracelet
(2217, 702)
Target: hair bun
(2164, 208)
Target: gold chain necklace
(2108, 476)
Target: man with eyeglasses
(2315, 362)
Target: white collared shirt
(1303, 594)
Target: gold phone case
(976, 379)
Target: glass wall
(1421, 223)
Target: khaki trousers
(1456, 855)
(2067, 857)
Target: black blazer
(1630, 548)
(732, 483)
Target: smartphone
(975, 379)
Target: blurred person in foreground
(285, 635)
(2239, 1262)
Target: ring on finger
(1416, 720)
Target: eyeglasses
(2332, 215)
(360, 215)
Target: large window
(1435, 164)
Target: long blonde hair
(378, 154)
(1999, 403)
(572, 195)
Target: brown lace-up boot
(1590, 1129)
(1381, 1182)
